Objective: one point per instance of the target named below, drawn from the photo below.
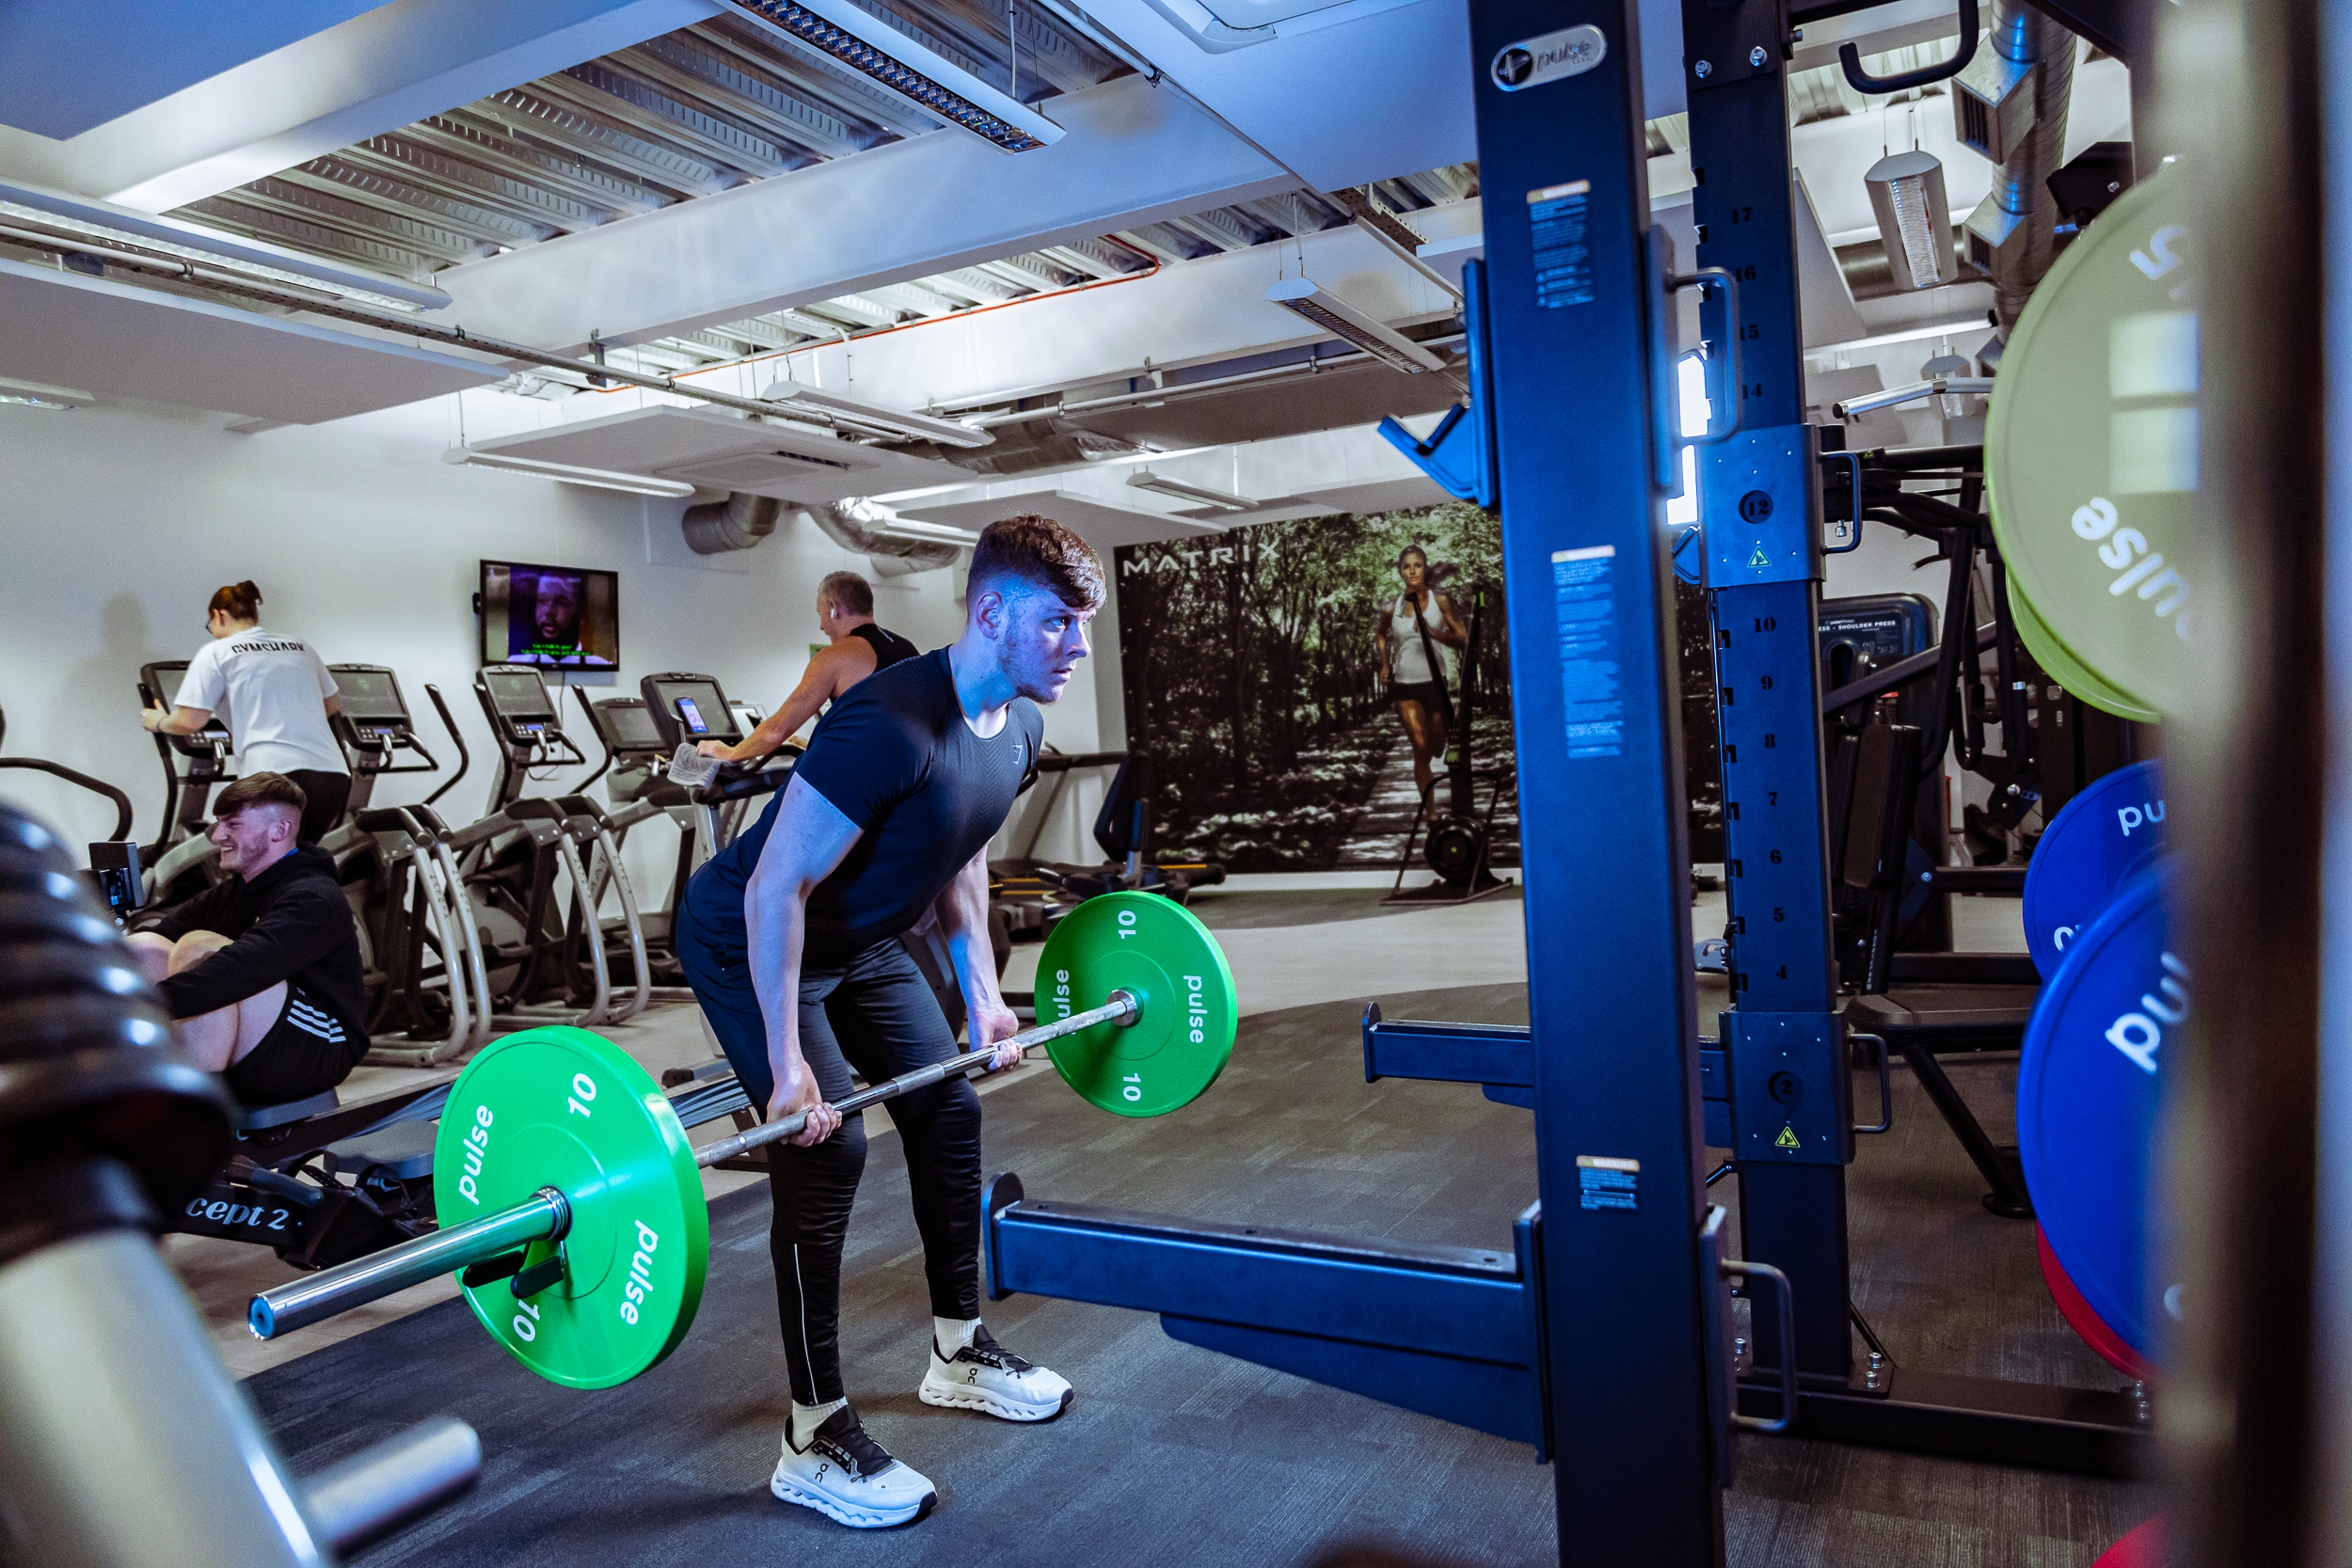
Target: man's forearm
(772, 732)
(962, 910)
(777, 920)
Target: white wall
(116, 525)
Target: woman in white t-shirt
(1418, 622)
(275, 695)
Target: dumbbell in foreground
(574, 1198)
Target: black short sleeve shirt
(895, 756)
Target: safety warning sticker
(1564, 251)
(1585, 609)
(1608, 1182)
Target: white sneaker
(984, 1375)
(851, 1478)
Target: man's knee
(154, 953)
(194, 948)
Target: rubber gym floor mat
(1171, 1455)
(1242, 911)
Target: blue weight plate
(2088, 1088)
(2105, 835)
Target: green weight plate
(1155, 948)
(2062, 666)
(2091, 445)
(564, 1108)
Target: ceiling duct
(860, 525)
(2032, 64)
(1038, 444)
(736, 523)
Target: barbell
(580, 1234)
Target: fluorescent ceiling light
(1914, 224)
(1144, 479)
(26, 400)
(885, 422)
(1344, 321)
(60, 213)
(601, 479)
(840, 32)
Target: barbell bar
(547, 1216)
(574, 1198)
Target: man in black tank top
(845, 611)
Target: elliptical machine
(417, 935)
(527, 866)
(639, 789)
(179, 864)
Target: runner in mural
(1251, 666)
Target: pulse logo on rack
(1532, 62)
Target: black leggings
(873, 1011)
(324, 796)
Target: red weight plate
(2085, 1321)
(2142, 1549)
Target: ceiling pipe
(853, 525)
(156, 264)
(1350, 358)
(737, 523)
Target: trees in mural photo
(1249, 662)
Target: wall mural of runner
(1252, 666)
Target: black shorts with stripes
(307, 1052)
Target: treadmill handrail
(464, 758)
(122, 802)
(597, 730)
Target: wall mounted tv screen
(563, 617)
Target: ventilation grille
(1976, 123)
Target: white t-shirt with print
(271, 692)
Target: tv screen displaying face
(563, 617)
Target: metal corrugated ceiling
(701, 110)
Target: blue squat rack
(1604, 1336)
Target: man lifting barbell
(790, 937)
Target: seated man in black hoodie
(262, 970)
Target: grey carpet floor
(1173, 1455)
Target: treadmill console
(374, 712)
(516, 699)
(686, 708)
(159, 686)
(114, 870)
(626, 726)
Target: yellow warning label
(1759, 559)
(1788, 1138)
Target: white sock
(952, 1333)
(806, 1418)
